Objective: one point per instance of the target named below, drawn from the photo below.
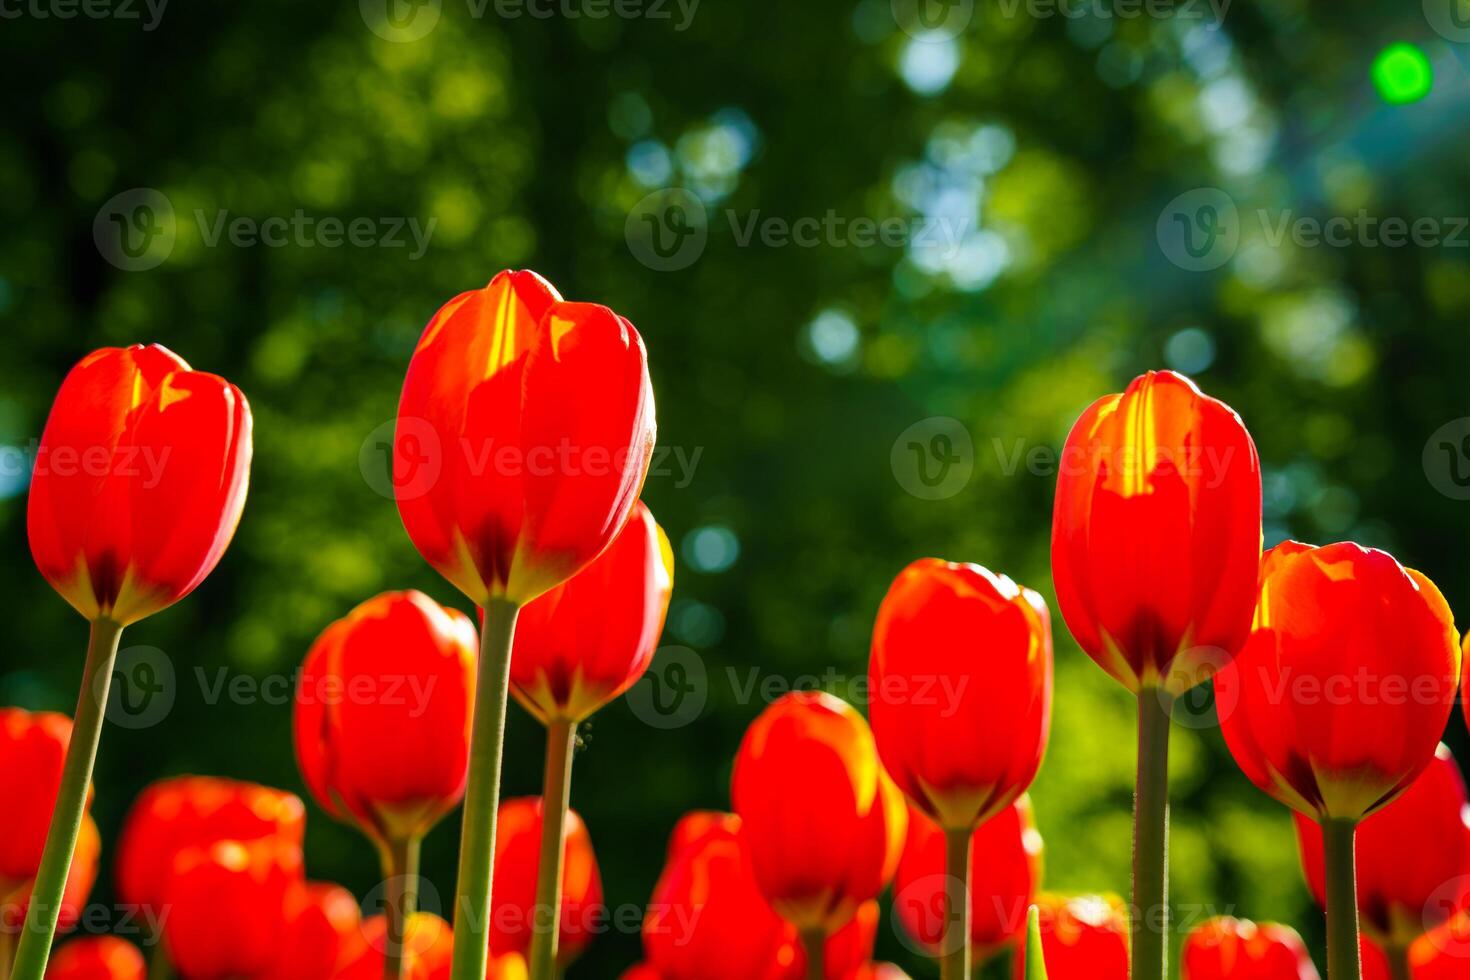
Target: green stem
(401, 868)
(482, 796)
(1343, 958)
(556, 789)
(1398, 962)
(159, 967)
(955, 964)
(815, 943)
(1150, 912)
(71, 804)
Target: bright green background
(1060, 139)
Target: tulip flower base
(71, 804)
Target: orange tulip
(1404, 891)
(961, 677)
(382, 714)
(32, 752)
(97, 958)
(1157, 533)
(1005, 863)
(540, 421)
(140, 479)
(427, 948)
(517, 860)
(1347, 646)
(823, 823)
(79, 881)
(229, 907)
(1233, 949)
(589, 639)
(173, 815)
(323, 933)
(1083, 937)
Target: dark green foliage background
(513, 134)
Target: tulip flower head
(324, 933)
(173, 815)
(1348, 647)
(1405, 890)
(1157, 533)
(97, 958)
(961, 675)
(1005, 870)
(1082, 938)
(141, 478)
(230, 907)
(588, 640)
(80, 878)
(823, 823)
(32, 752)
(517, 860)
(708, 919)
(524, 435)
(1233, 949)
(382, 714)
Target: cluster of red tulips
(1334, 669)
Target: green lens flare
(1402, 74)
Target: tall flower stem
(401, 865)
(1398, 962)
(814, 941)
(556, 789)
(1150, 912)
(482, 795)
(1343, 958)
(71, 803)
(955, 964)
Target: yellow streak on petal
(169, 394)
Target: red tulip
(229, 907)
(1348, 648)
(1402, 890)
(517, 859)
(173, 815)
(1005, 870)
(324, 932)
(1082, 938)
(139, 481)
(427, 947)
(97, 958)
(382, 714)
(1157, 533)
(1233, 949)
(80, 878)
(32, 751)
(1443, 953)
(961, 677)
(641, 971)
(707, 919)
(538, 415)
(589, 639)
(823, 823)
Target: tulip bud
(517, 860)
(97, 958)
(1005, 870)
(140, 480)
(1082, 938)
(173, 815)
(535, 419)
(1233, 949)
(588, 640)
(1347, 645)
(382, 714)
(961, 675)
(823, 823)
(1157, 533)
